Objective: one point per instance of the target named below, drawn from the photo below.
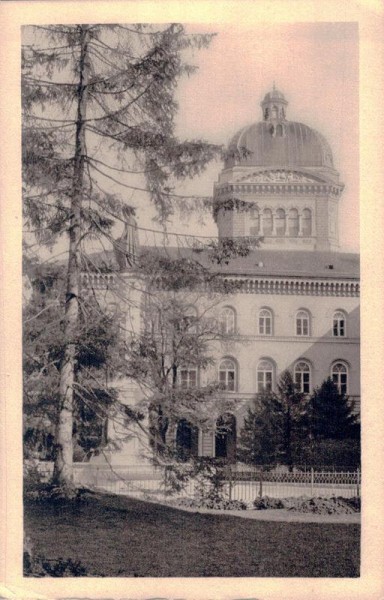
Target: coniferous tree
(92, 92)
(260, 440)
(273, 426)
(43, 349)
(332, 416)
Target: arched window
(187, 436)
(227, 320)
(255, 221)
(303, 376)
(339, 375)
(293, 223)
(267, 221)
(188, 377)
(274, 112)
(264, 376)
(302, 323)
(339, 324)
(306, 222)
(280, 222)
(265, 322)
(225, 439)
(227, 374)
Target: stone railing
(298, 287)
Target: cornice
(223, 190)
(241, 338)
(298, 286)
(248, 284)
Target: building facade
(297, 306)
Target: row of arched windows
(265, 322)
(229, 375)
(280, 222)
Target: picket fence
(237, 483)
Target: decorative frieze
(262, 189)
(298, 287)
(98, 281)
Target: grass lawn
(116, 536)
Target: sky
(315, 65)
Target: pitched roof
(279, 263)
(259, 262)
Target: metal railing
(236, 484)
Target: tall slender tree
(98, 105)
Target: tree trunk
(63, 468)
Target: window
(225, 437)
(187, 436)
(255, 221)
(302, 323)
(265, 322)
(339, 324)
(190, 319)
(306, 222)
(264, 376)
(340, 377)
(280, 222)
(227, 320)
(188, 378)
(267, 221)
(227, 374)
(303, 377)
(293, 223)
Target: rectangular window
(231, 381)
(268, 381)
(261, 326)
(338, 328)
(188, 378)
(264, 381)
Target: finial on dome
(274, 105)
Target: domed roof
(274, 95)
(276, 142)
(263, 144)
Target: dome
(264, 145)
(277, 142)
(274, 95)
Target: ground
(115, 536)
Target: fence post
(261, 484)
(312, 480)
(230, 481)
(358, 483)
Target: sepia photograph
(191, 331)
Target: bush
(39, 566)
(304, 504)
(217, 504)
(267, 502)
